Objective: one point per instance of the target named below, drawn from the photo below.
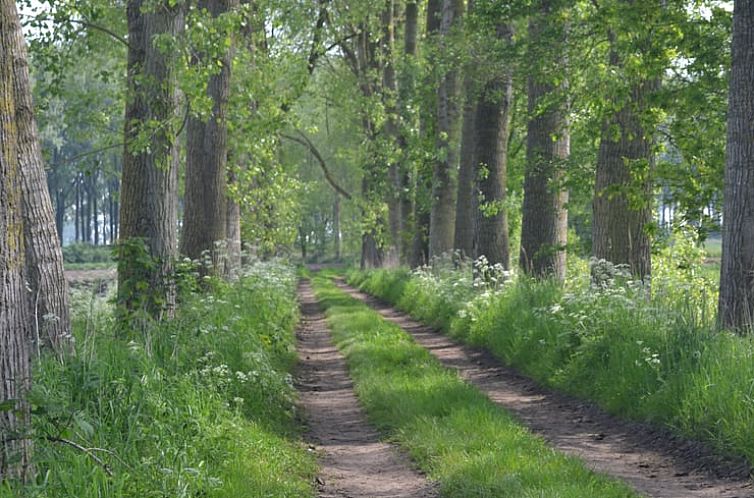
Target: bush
(198, 406)
(649, 356)
(82, 252)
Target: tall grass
(198, 406)
(653, 356)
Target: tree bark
(442, 213)
(148, 211)
(493, 129)
(545, 218)
(463, 239)
(233, 231)
(624, 166)
(407, 89)
(372, 246)
(88, 213)
(15, 309)
(736, 305)
(336, 227)
(77, 213)
(205, 203)
(44, 256)
(466, 198)
(423, 183)
(389, 96)
(93, 197)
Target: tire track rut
(653, 461)
(354, 463)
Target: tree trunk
(622, 205)
(428, 125)
(88, 211)
(442, 213)
(493, 129)
(44, 257)
(15, 309)
(466, 202)
(389, 96)
(624, 165)
(545, 218)
(111, 211)
(93, 197)
(407, 90)
(233, 231)
(116, 209)
(302, 244)
(148, 211)
(60, 213)
(77, 213)
(60, 196)
(372, 250)
(736, 305)
(336, 226)
(205, 203)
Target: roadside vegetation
(654, 354)
(453, 432)
(201, 405)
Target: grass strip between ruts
(450, 429)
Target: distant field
(714, 247)
(103, 265)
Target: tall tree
(233, 228)
(205, 211)
(492, 122)
(423, 184)
(442, 214)
(545, 218)
(736, 306)
(389, 92)
(15, 319)
(148, 213)
(407, 91)
(44, 257)
(365, 65)
(622, 206)
(463, 240)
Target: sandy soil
(653, 461)
(354, 462)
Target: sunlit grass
(660, 359)
(199, 406)
(454, 433)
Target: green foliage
(87, 253)
(454, 432)
(658, 358)
(200, 406)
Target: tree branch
(304, 140)
(105, 30)
(315, 51)
(88, 451)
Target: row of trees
(443, 125)
(535, 109)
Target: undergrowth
(455, 433)
(648, 355)
(200, 406)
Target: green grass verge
(200, 406)
(659, 360)
(454, 432)
(104, 265)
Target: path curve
(651, 460)
(354, 463)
